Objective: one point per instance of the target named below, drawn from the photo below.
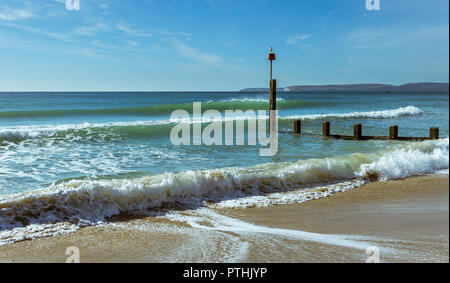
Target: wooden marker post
(434, 133)
(357, 131)
(273, 95)
(273, 91)
(326, 129)
(297, 127)
(271, 57)
(393, 132)
(273, 103)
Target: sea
(74, 159)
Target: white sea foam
(36, 231)
(37, 131)
(231, 249)
(444, 172)
(86, 202)
(383, 114)
(415, 159)
(251, 99)
(289, 197)
(207, 219)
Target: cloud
(408, 37)
(194, 54)
(127, 46)
(54, 35)
(15, 14)
(296, 39)
(91, 30)
(131, 44)
(130, 31)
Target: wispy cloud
(130, 31)
(131, 44)
(91, 30)
(29, 29)
(15, 14)
(127, 46)
(389, 37)
(296, 39)
(194, 54)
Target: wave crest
(87, 202)
(383, 114)
(115, 129)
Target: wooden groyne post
(273, 91)
(326, 129)
(297, 127)
(434, 133)
(273, 94)
(273, 104)
(357, 133)
(393, 132)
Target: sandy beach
(407, 219)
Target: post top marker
(271, 56)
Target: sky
(219, 45)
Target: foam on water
(251, 99)
(89, 202)
(415, 159)
(213, 246)
(383, 114)
(207, 219)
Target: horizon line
(154, 91)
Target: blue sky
(175, 45)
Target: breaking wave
(158, 127)
(383, 114)
(88, 202)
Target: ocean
(70, 160)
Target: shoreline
(408, 219)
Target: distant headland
(411, 87)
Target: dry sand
(407, 219)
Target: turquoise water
(82, 158)
(53, 137)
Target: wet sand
(408, 220)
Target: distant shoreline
(361, 88)
(343, 88)
(281, 90)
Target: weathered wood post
(326, 129)
(273, 104)
(273, 92)
(357, 131)
(273, 95)
(434, 133)
(393, 132)
(297, 127)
